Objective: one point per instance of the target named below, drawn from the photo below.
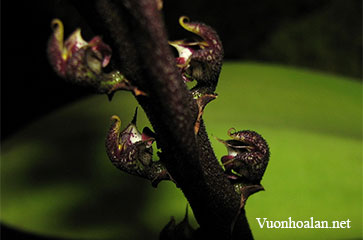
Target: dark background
(316, 34)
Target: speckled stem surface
(137, 36)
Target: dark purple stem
(137, 35)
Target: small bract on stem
(173, 110)
(200, 61)
(246, 162)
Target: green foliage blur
(56, 179)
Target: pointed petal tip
(220, 140)
(135, 117)
(115, 118)
(56, 23)
(183, 20)
(230, 133)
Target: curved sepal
(131, 151)
(245, 163)
(199, 60)
(83, 62)
(248, 156)
(75, 58)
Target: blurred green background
(56, 179)
(293, 73)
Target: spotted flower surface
(248, 156)
(75, 58)
(83, 62)
(199, 60)
(131, 151)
